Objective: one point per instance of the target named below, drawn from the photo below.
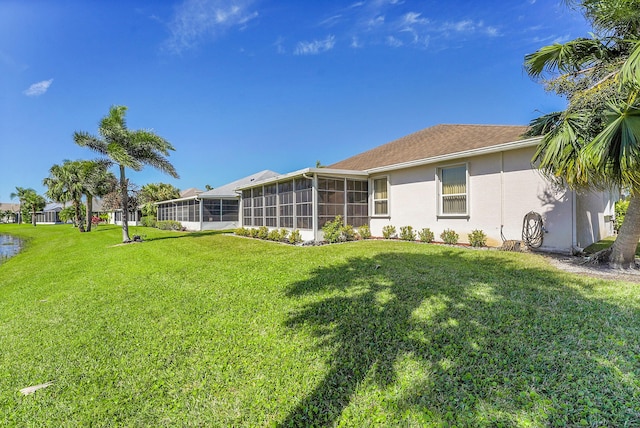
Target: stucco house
(460, 177)
(216, 209)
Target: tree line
(73, 181)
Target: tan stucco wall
(503, 188)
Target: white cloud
(197, 20)
(315, 47)
(38, 89)
(413, 18)
(394, 42)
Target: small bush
(263, 232)
(477, 238)
(295, 237)
(241, 231)
(169, 225)
(389, 232)
(348, 232)
(426, 235)
(332, 230)
(253, 232)
(407, 233)
(147, 221)
(283, 235)
(364, 231)
(449, 237)
(274, 235)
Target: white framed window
(453, 190)
(380, 196)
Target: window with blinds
(380, 196)
(453, 190)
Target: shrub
(477, 238)
(263, 232)
(620, 210)
(348, 232)
(389, 232)
(332, 230)
(147, 221)
(407, 233)
(449, 237)
(253, 232)
(274, 235)
(364, 231)
(283, 234)
(295, 237)
(169, 225)
(426, 235)
(241, 231)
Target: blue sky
(246, 85)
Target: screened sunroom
(216, 209)
(305, 200)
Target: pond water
(9, 246)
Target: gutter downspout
(501, 193)
(574, 225)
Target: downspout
(501, 193)
(200, 208)
(574, 223)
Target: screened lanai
(305, 200)
(216, 209)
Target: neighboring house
(216, 209)
(6, 207)
(50, 214)
(459, 177)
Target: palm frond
(616, 150)
(630, 70)
(565, 57)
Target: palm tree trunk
(125, 203)
(33, 217)
(623, 250)
(89, 211)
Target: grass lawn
(604, 244)
(208, 329)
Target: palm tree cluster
(127, 149)
(595, 142)
(30, 203)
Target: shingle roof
(228, 190)
(191, 191)
(435, 141)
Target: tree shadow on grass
(456, 338)
(182, 235)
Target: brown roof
(435, 141)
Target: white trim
(530, 142)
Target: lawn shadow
(474, 341)
(180, 235)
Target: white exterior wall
(502, 189)
(595, 216)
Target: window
(230, 208)
(258, 203)
(380, 196)
(453, 190)
(330, 200)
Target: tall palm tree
(30, 202)
(595, 142)
(128, 149)
(65, 185)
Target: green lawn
(209, 329)
(604, 244)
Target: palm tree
(595, 142)
(127, 149)
(30, 202)
(96, 181)
(65, 185)
(156, 192)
